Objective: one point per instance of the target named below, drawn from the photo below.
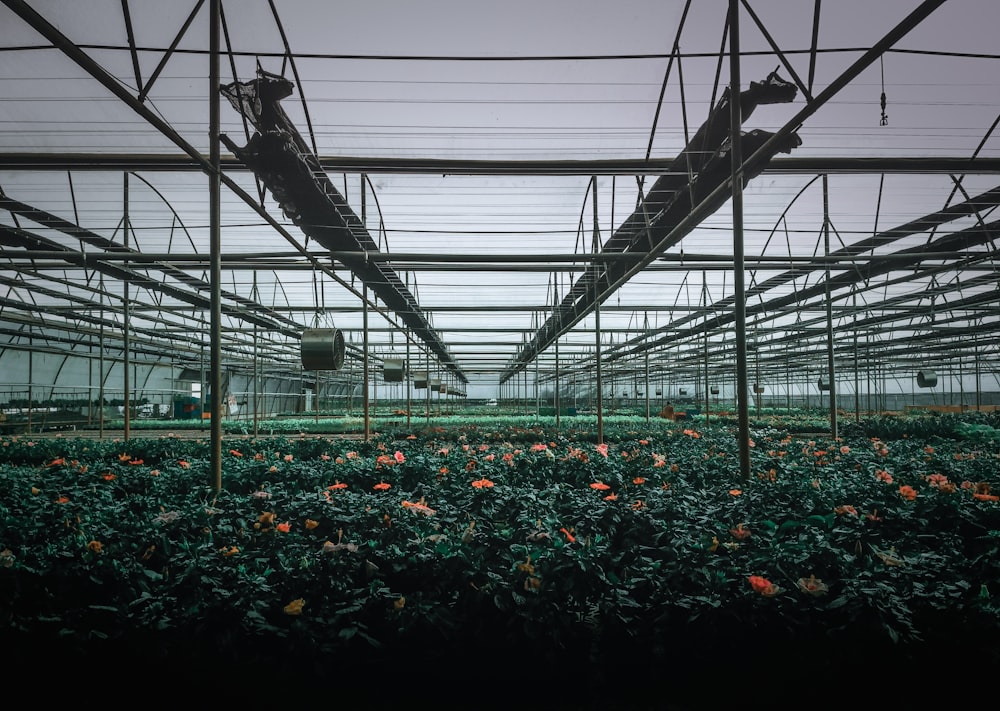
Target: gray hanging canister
(393, 370)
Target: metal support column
(829, 311)
(739, 303)
(215, 240)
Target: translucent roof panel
(492, 156)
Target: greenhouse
(596, 345)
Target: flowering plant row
(646, 548)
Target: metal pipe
(739, 288)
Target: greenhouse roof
(474, 186)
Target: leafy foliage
(646, 550)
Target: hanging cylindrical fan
(926, 378)
(322, 349)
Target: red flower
(763, 586)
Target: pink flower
(399, 457)
(603, 449)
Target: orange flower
(337, 485)
(311, 524)
(740, 533)
(285, 527)
(985, 497)
(602, 449)
(295, 607)
(62, 500)
(639, 480)
(928, 449)
(483, 484)
(419, 506)
(57, 462)
(763, 586)
(236, 452)
(908, 492)
(108, 476)
(136, 462)
(611, 497)
(638, 505)
(382, 486)
(231, 551)
(845, 511)
(266, 518)
(95, 547)
(569, 536)
(735, 492)
(937, 480)
(600, 486)
(692, 433)
(184, 464)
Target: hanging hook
(885, 118)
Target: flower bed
(644, 563)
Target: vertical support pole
(829, 311)
(975, 355)
(256, 364)
(735, 121)
(100, 366)
(857, 379)
(555, 388)
(215, 231)
(406, 379)
(126, 321)
(555, 391)
(31, 377)
(364, 363)
(538, 394)
(597, 318)
(645, 386)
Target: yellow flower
(295, 607)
